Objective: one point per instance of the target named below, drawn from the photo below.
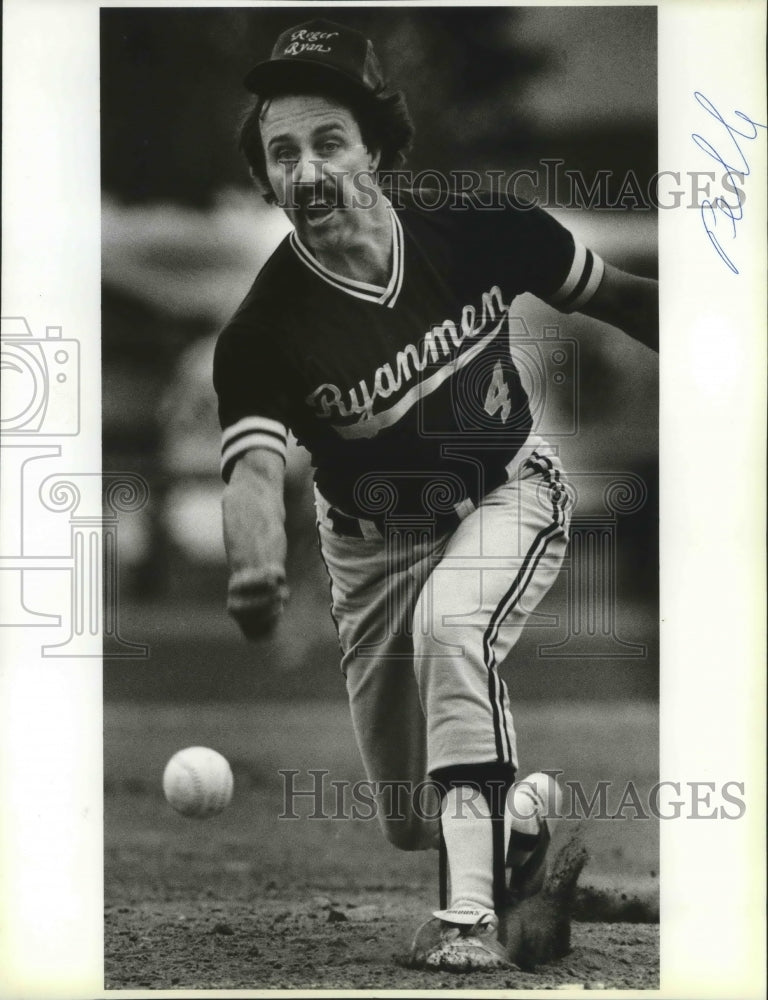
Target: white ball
(198, 782)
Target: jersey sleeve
(566, 274)
(541, 256)
(253, 408)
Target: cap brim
(279, 74)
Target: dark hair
(383, 119)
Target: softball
(198, 782)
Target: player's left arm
(559, 269)
(628, 302)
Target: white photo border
(713, 363)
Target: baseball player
(380, 333)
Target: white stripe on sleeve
(252, 432)
(598, 267)
(244, 444)
(263, 424)
(574, 275)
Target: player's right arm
(249, 383)
(255, 542)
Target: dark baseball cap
(318, 51)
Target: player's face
(315, 157)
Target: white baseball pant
(423, 627)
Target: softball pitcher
(381, 333)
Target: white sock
(468, 835)
(467, 831)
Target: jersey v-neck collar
(380, 294)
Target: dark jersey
(407, 396)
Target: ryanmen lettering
(441, 342)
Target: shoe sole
(461, 959)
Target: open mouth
(318, 211)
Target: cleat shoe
(535, 799)
(527, 878)
(448, 946)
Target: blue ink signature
(733, 212)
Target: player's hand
(256, 599)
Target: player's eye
(329, 147)
(284, 155)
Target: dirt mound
(345, 942)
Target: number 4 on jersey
(497, 397)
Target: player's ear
(264, 188)
(374, 158)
